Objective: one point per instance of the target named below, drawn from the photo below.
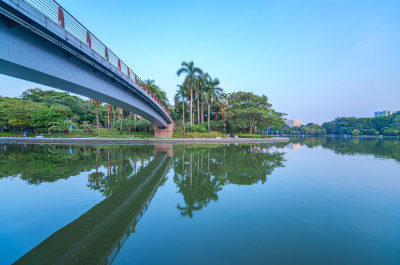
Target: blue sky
(315, 60)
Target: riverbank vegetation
(202, 106)
(46, 113)
(386, 126)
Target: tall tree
(181, 93)
(203, 80)
(96, 102)
(213, 92)
(271, 118)
(197, 92)
(247, 106)
(223, 107)
(191, 71)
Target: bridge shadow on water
(128, 177)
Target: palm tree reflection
(230, 164)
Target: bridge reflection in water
(97, 236)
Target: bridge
(43, 43)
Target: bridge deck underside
(25, 55)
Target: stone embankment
(140, 141)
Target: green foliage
(355, 132)
(86, 126)
(64, 103)
(44, 116)
(312, 129)
(17, 112)
(61, 125)
(309, 129)
(52, 111)
(388, 126)
(198, 128)
(372, 132)
(216, 125)
(247, 135)
(240, 111)
(390, 131)
(157, 91)
(178, 133)
(247, 111)
(369, 126)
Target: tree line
(43, 111)
(200, 98)
(387, 126)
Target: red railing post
(77, 29)
(61, 17)
(88, 40)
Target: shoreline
(140, 141)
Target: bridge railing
(55, 12)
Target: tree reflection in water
(109, 167)
(200, 172)
(129, 176)
(386, 148)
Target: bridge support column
(163, 132)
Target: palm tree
(197, 93)
(61, 125)
(213, 92)
(121, 118)
(160, 94)
(86, 126)
(108, 116)
(93, 101)
(199, 86)
(203, 80)
(191, 71)
(181, 93)
(223, 107)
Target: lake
(309, 201)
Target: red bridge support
(163, 132)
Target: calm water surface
(310, 201)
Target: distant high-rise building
(383, 113)
(293, 123)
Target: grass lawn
(78, 133)
(248, 135)
(212, 134)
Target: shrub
(390, 131)
(370, 132)
(355, 132)
(196, 128)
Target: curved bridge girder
(42, 52)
